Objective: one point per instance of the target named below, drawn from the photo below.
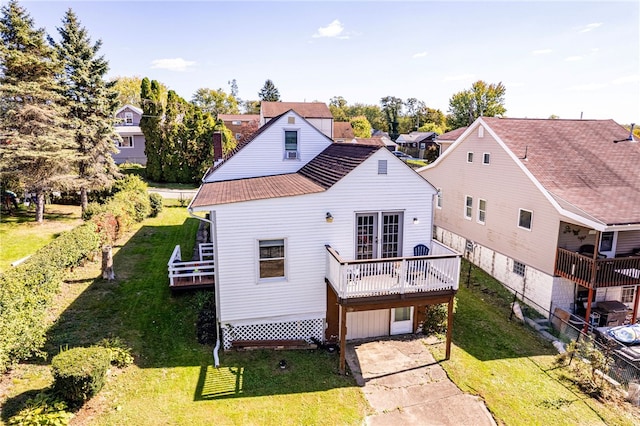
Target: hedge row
(26, 292)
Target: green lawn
(511, 368)
(21, 236)
(172, 381)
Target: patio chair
(421, 250)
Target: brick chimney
(217, 146)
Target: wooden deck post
(449, 327)
(343, 338)
(635, 305)
(592, 281)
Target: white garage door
(367, 324)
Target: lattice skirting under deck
(303, 329)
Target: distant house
(445, 140)
(342, 131)
(241, 125)
(551, 208)
(131, 148)
(419, 144)
(316, 113)
(301, 227)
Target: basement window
(519, 268)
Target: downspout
(214, 239)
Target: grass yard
(20, 235)
(512, 369)
(172, 381)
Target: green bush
(80, 373)
(120, 353)
(137, 204)
(27, 291)
(43, 409)
(435, 318)
(129, 183)
(155, 200)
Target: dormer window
(290, 144)
(128, 118)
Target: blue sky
(565, 58)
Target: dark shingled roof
(335, 162)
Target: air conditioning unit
(292, 154)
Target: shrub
(129, 183)
(43, 409)
(138, 204)
(155, 200)
(107, 227)
(435, 319)
(80, 373)
(120, 353)
(207, 324)
(27, 290)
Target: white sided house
(332, 243)
(531, 199)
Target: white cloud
(541, 52)
(627, 79)
(174, 64)
(459, 77)
(589, 27)
(419, 55)
(333, 30)
(587, 87)
(573, 58)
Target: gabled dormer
(128, 115)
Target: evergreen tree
(36, 145)
(91, 103)
(269, 92)
(152, 118)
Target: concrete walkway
(405, 386)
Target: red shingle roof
(343, 130)
(452, 135)
(577, 161)
(305, 109)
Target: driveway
(406, 386)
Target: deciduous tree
(338, 108)
(215, 101)
(361, 127)
(91, 103)
(482, 100)
(392, 107)
(36, 144)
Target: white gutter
(214, 238)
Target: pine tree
(269, 92)
(91, 103)
(35, 143)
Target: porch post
(343, 338)
(449, 327)
(635, 306)
(592, 281)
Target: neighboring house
(131, 148)
(377, 140)
(417, 143)
(241, 125)
(321, 244)
(530, 199)
(445, 140)
(316, 113)
(342, 131)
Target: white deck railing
(194, 271)
(439, 271)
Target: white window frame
(486, 158)
(128, 118)
(481, 211)
(129, 138)
(439, 198)
(470, 157)
(628, 294)
(530, 219)
(259, 260)
(468, 208)
(284, 144)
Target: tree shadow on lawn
(161, 329)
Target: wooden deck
(196, 274)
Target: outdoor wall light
(329, 218)
(416, 221)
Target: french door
(378, 235)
